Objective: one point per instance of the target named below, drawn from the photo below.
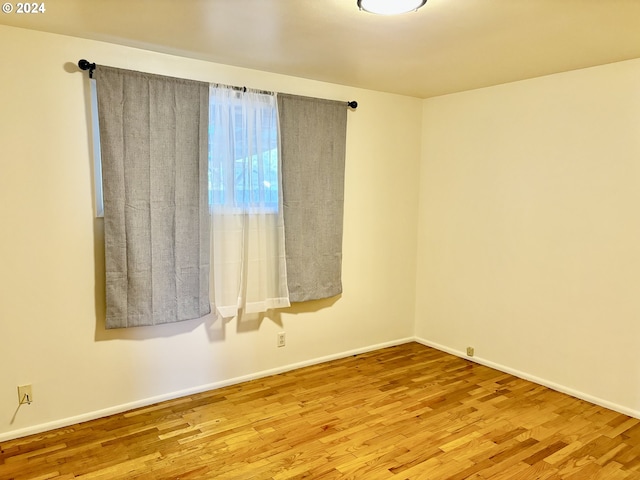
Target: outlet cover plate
(25, 394)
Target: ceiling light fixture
(390, 7)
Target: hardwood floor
(406, 412)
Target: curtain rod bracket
(86, 65)
(352, 104)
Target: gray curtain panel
(154, 143)
(313, 139)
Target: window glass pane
(97, 159)
(243, 154)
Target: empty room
(436, 256)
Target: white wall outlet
(282, 340)
(25, 395)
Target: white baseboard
(532, 378)
(65, 422)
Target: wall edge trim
(532, 378)
(117, 409)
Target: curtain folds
(247, 227)
(199, 182)
(313, 142)
(153, 135)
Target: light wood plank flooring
(406, 412)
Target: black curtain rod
(86, 65)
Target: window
(243, 151)
(97, 161)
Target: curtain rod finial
(86, 65)
(352, 104)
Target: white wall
(51, 256)
(527, 238)
(529, 230)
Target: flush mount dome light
(390, 7)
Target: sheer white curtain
(245, 195)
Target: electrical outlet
(25, 396)
(470, 352)
(282, 340)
